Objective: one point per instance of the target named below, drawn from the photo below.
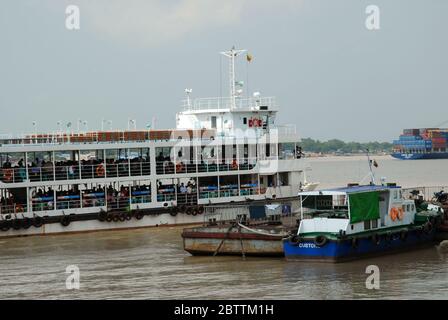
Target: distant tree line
(339, 146)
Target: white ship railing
(220, 103)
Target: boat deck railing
(427, 192)
(225, 103)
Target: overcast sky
(332, 77)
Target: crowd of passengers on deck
(41, 170)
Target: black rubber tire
(294, 240)
(5, 225)
(109, 218)
(115, 218)
(403, 235)
(320, 241)
(26, 223)
(38, 222)
(201, 209)
(65, 221)
(195, 212)
(17, 224)
(428, 227)
(122, 217)
(189, 211)
(376, 239)
(139, 215)
(128, 216)
(173, 212)
(183, 208)
(102, 216)
(354, 242)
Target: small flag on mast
(249, 57)
(375, 164)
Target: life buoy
(65, 221)
(7, 175)
(393, 214)
(234, 165)
(400, 213)
(19, 208)
(100, 171)
(320, 241)
(179, 167)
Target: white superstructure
(223, 151)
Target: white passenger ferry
(223, 151)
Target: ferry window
(374, 224)
(244, 120)
(268, 150)
(412, 207)
(408, 207)
(367, 225)
(213, 122)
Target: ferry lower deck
(73, 187)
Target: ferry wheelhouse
(222, 151)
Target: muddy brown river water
(150, 263)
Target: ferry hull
(420, 156)
(90, 222)
(344, 250)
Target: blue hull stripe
(343, 250)
(418, 156)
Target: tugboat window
(367, 225)
(374, 224)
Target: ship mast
(231, 54)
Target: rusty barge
(258, 233)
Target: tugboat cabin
(354, 209)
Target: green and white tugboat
(357, 221)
